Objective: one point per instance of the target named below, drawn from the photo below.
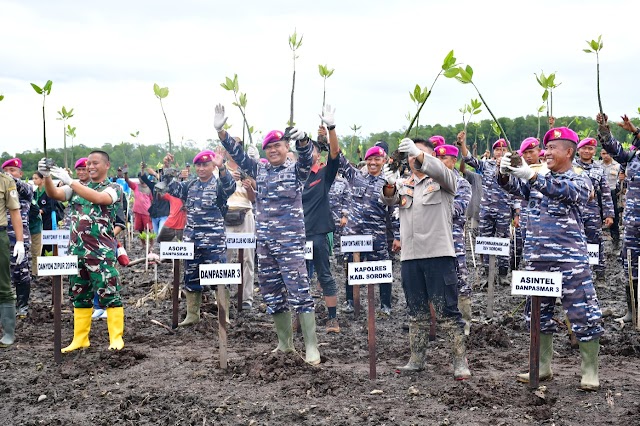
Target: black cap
(384, 146)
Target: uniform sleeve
(178, 189)
(226, 186)
(607, 201)
(566, 190)
(615, 148)
(246, 163)
(436, 170)
(11, 199)
(462, 199)
(514, 186)
(347, 168)
(392, 211)
(305, 160)
(346, 199)
(472, 161)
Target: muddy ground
(175, 379)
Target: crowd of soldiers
(556, 199)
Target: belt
(3, 228)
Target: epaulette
(577, 170)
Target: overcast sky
(103, 61)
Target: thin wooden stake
(223, 305)
(371, 323)
(241, 285)
(534, 346)
(57, 313)
(356, 290)
(490, 285)
(174, 293)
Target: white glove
(328, 115)
(505, 163)
(389, 175)
(43, 168)
(408, 146)
(296, 134)
(253, 152)
(219, 118)
(18, 252)
(62, 174)
(523, 172)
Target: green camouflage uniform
(93, 242)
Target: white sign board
(594, 253)
(58, 237)
(57, 265)
(535, 283)
(362, 273)
(221, 273)
(493, 246)
(236, 240)
(308, 250)
(356, 243)
(169, 250)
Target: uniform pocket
(557, 208)
(432, 194)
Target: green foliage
(44, 90)
(294, 43)
(595, 46)
(71, 131)
(2, 97)
(64, 114)
(325, 72)
(144, 235)
(231, 84)
(160, 92)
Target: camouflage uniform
(495, 207)
(460, 204)
(371, 217)
(340, 197)
(280, 228)
(205, 222)
(556, 242)
(93, 242)
(599, 207)
(21, 274)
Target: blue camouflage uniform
(340, 198)
(371, 217)
(598, 207)
(280, 228)
(555, 242)
(21, 273)
(460, 203)
(205, 223)
(495, 207)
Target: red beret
(272, 136)
(560, 133)
(374, 151)
(500, 143)
(437, 140)
(443, 150)
(588, 142)
(528, 143)
(14, 162)
(82, 162)
(204, 156)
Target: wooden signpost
(221, 275)
(176, 252)
(367, 273)
(492, 247)
(536, 284)
(356, 244)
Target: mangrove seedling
(471, 109)
(241, 102)
(419, 96)
(355, 129)
(294, 45)
(64, 115)
(71, 132)
(44, 91)
(135, 136)
(161, 93)
(595, 46)
(540, 110)
(325, 73)
(548, 83)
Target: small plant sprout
(325, 73)
(161, 93)
(595, 46)
(71, 132)
(44, 91)
(548, 83)
(355, 129)
(135, 137)
(419, 96)
(241, 102)
(472, 109)
(294, 45)
(541, 109)
(64, 115)
(449, 70)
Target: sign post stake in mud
(536, 284)
(56, 266)
(493, 247)
(368, 273)
(356, 244)
(175, 251)
(221, 275)
(240, 241)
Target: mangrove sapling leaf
(1, 97)
(161, 93)
(547, 82)
(294, 45)
(44, 91)
(325, 73)
(64, 115)
(232, 85)
(473, 109)
(540, 110)
(596, 47)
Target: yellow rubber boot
(115, 324)
(81, 328)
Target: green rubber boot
(418, 341)
(282, 321)
(589, 365)
(8, 320)
(194, 300)
(308, 325)
(464, 305)
(459, 351)
(546, 353)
